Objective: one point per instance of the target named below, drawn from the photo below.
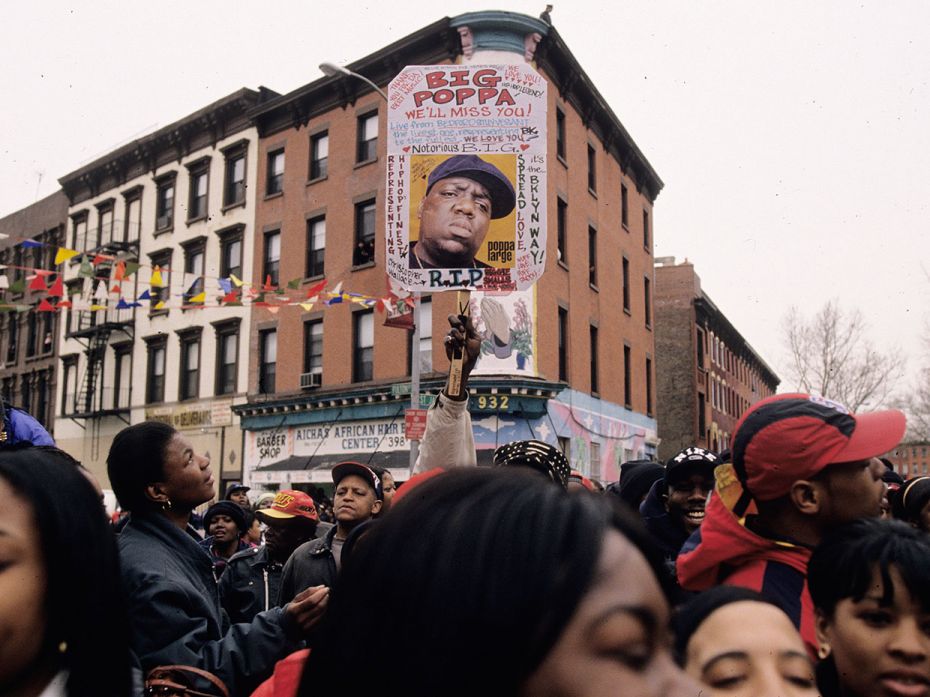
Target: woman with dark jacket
(169, 578)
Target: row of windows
(560, 149)
(363, 346)
(20, 258)
(39, 331)
(594, 353)
(725, 399)
(189, 367)
(366, 150)
(35, 394)
(108, 230)
(363, 244)
(562, 231)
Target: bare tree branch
(832, 356)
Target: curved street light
(331, 70)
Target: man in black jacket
(357, 498)
(252, 580)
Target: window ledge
(625, 226)
(311, 279)
(593, 286)
(562, 159)
(276, 194)
(317, 179)
(365, 162)
(232, 206)
(163, 231)
(158, 313)
(198, 219)
(563, 264)
(593, 192)
(366, 265)
(627, 312)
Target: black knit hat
(636, 478)
(227, 508)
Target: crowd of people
(796, 563)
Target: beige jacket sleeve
(448, 440)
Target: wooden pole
(463, 309)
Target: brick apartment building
(911, 458)
(320, 216)
(708, 374)
(28, 338)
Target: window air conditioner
(311, 380)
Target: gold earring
(823, 652)
(63, 647)
(166, 505)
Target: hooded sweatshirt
(724, 551)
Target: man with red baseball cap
(801, 466)
(252, 579)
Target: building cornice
(707, 310)
(203, 128)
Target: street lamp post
(331, 70)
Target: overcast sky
(793, 137)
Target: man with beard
(224, 523)
(252, 579)
(674, 506)
(357, 498)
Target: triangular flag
(38, 283)
(63, 255)
(200, 298)
(145, 295)
(338, 289)
(273, 310)
(159, 305)
(268, 285)
(236, 281)
(314, 300)
(294, 285)
(225, 285)
(58, 288)
(4, 282)
(30, 243)
(315, 290)
(131, 268)
(101, 292)
(45, 306)
(307, 306)
(122, 305)
(95, 308)
(379, 306)
(99, 259)
(86, 270)
(18, 286)
(119, 273)
(62, 303)
(334, 300)
(156, 281)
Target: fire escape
(94, 329)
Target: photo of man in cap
(464, 193)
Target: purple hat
(490, 177)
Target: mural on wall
(599, 442)
(506, 323)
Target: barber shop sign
(466, 177)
